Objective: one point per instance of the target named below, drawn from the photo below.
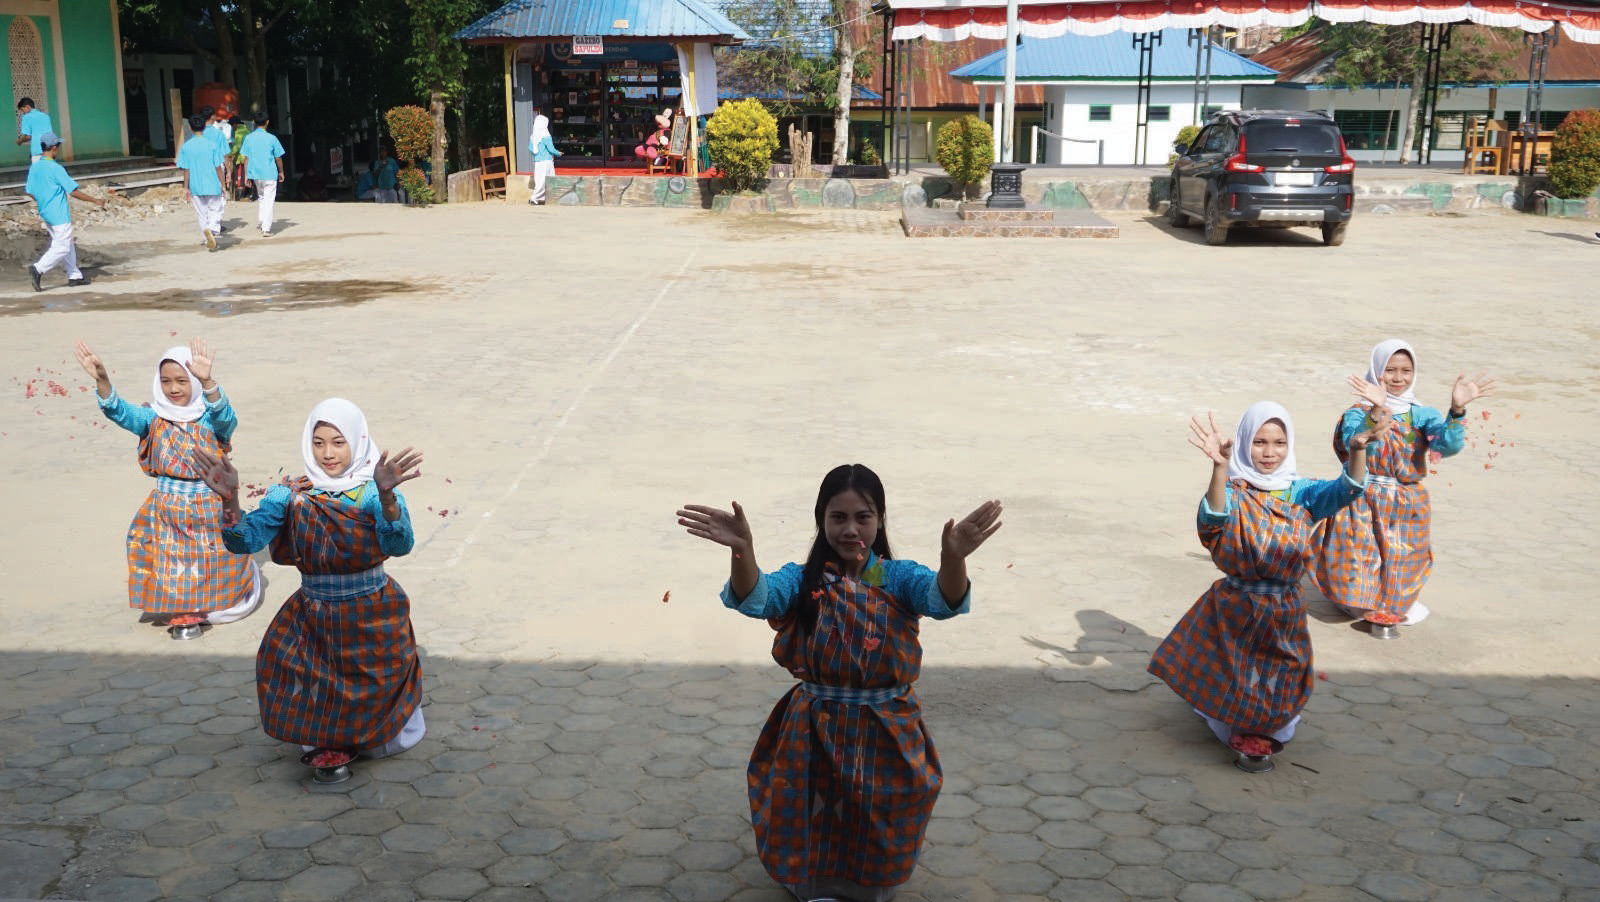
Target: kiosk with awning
(602, 69)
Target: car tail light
(1233, 202)
(1236, 162)
(1346, 162)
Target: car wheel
(1216, 226)
(1333, 233)
(1175, 214)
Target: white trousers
(266, 193)
(1223, 732)
(208, 210)
(386, 195)
(542, 170)
(63, 249)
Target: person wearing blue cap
(34, 124)
(50, 186)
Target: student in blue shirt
(203, 186)
(218, 132)
(50, 187)
(263, 164)
(35, 123)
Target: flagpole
(1008, 117)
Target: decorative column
(1005, 187)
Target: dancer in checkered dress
(337, 669)
(1241, 656)
(1374, 555)
(176, 562)
(844, 775)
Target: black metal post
(1435, 38)
(1145, 43)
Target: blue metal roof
(1112, 57)
(607, 18)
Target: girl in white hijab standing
(1374, 556)
(337, 671)
(544, 153)
(176, 565)
(1241, 656)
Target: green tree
(438, 63)
(237, 27)
(741, 137)
(1364, 55)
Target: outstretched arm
(406, 466)
(1382, 421)
(731, 530)
(959, 541)
(1209, 439)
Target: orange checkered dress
(176, 563)
(338, 665)
(1242, 653)
(1376, 554)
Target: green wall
(94, 92)
(11, 153)
(94, 95)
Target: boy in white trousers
(263, 164)
(50, 187)
(203, 187)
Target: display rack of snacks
(576, 112)
(636, 92)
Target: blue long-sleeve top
(544, 150)
(219, 415)
(256, 529)
(1320, 497)
(908, 581)
(1444, 434)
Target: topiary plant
(411, 129)
(742, 137)
(965, 148)
(1185, 136)
(1575, 155)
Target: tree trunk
(1413, 106)
(225, 59)
(440, 180)
(845, 51)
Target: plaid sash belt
(1258, 586)
(340, 586)
(175, 486)
(850, 696)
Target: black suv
(1268, 168)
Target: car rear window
(1282, 137)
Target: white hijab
(1239, 465)
(541, 129)
(165, 409)
(1381, 353)
(352, 424)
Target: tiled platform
(1032, 222)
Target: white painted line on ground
(561, 421)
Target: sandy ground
(575, 374)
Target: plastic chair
(492, 171)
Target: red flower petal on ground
(1322, 676)
(666, 596)
(872, 643)
(1484, 414)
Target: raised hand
(1209, 439)
(218, 473)
(1467, 390)
(1382, 421)
(1374, 395)
(200, 360)
(388, 473)
(717, 525)
(91, 364)
(962, 539)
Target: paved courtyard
(574, 375)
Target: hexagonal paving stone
(451, 883)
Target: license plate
(1294, 179)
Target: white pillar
(1010, 117)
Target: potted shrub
(411, 129)
(965, 148)
(742, 137)
(1575, 155)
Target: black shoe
(79, 282)
(35, 275)
(221, 229)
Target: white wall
(1465, 102)
(1067, 114)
